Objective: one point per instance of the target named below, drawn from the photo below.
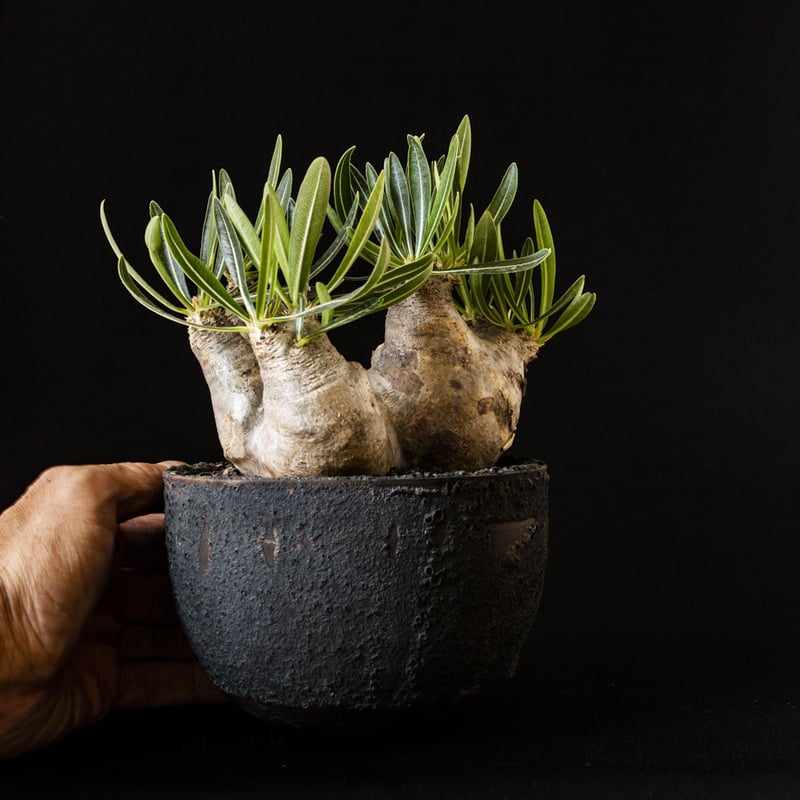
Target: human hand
(87, 620)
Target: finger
(141, 544)
(134, 488)
(152, 684)
(57, 546)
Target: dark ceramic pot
(313, 600)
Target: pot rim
(225, 472)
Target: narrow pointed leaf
(135, 284)
(197, 271)
(544, 238)
(284, 190)
(245, 229)
(563, 301)
(419, 184)
(442, 193)
(165, 264)
(231, 250)
(343, 193)
(504, 196)
(464, 134)
(275, 162)
(107, 230)
(484, 247)
(209, 233)
(361, 234)
(266, 259)
(575, 312)
(407, 271)
(274, 249)
(225, 184)
(324, 296)
(309, 218)
(400, 202)
(326, 259)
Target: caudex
(463, 318)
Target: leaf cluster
(422, 214)
(403, 221)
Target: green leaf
(245, 229)
(155, 245)
(132, 281)
(309, 218)
(107, 230)
(424, 267)
(480, 293)
(381, 284)
(504, 265)
(575, 312)
(231, 250)
(506, 292)
(464, 134)
(343, 194)
(165, 264)
(364, 185)
(225, 184)
(324, 296)
(484, 246)
(544, 238)
(574, 291)
(419, 182)
(442, 193)
(504, 196)
(377, 273)
(280, 238)
(197, 271)
(283, 190)
(407, 271)
(208, 236)
(380, 302)
(469, 235)
(400, 202)
(326, 259)
(361, 234)
(123, 265)
(275, 162)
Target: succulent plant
(463, 319)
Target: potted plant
(363, 548)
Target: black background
(661, 138)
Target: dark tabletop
(612, 717)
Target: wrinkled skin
(87, 622)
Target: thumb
(108, 493)
(132, 488)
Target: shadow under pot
(356, 599)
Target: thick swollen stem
(453, 389)
(286, 410)
(234, 382)
(321, 416)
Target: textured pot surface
(333, 596)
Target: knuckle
(71, 481)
